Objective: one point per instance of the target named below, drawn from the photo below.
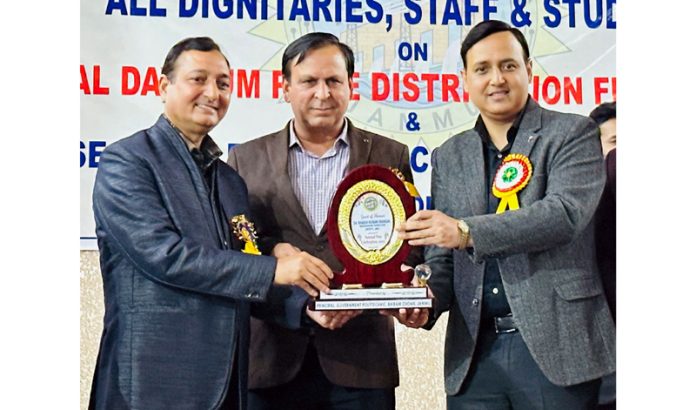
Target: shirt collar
(480, 127)
(294, 141)
(206, 154)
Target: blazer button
(475, 302)
(320, 248)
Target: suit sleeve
(439, 259)
(132, 213)
(284, 306)
(574, 181)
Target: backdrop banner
(407, 84)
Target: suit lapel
(475, 183)
(186, 166)
(277, 151)
(528, 134)
(360, 146)
(526, 138)
(229, 193)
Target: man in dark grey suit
(177, 291)
(511, 242)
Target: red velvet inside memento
(357, 272)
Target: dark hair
(314, 41)
(604, 112)
(485, 29)
(191, 43)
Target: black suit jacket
(605, 233)
(176, 295)
(362, 353)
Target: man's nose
(497, 76)
(211, 90)
(323, 92)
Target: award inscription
(366, 219)
(372, 221)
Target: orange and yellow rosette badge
(513, 174)
(409, 186)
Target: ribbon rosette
(513, 174)
(409, 186)
(244, 230)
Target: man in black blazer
(176, 288)
(605, 230)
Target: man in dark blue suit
(170, 219)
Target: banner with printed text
(407, 83)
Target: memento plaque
(368, 204)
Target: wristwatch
(463, 234)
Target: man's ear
(463, 74)
(528, 66)
(163, 84)
(286, 89)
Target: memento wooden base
(373, 298)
